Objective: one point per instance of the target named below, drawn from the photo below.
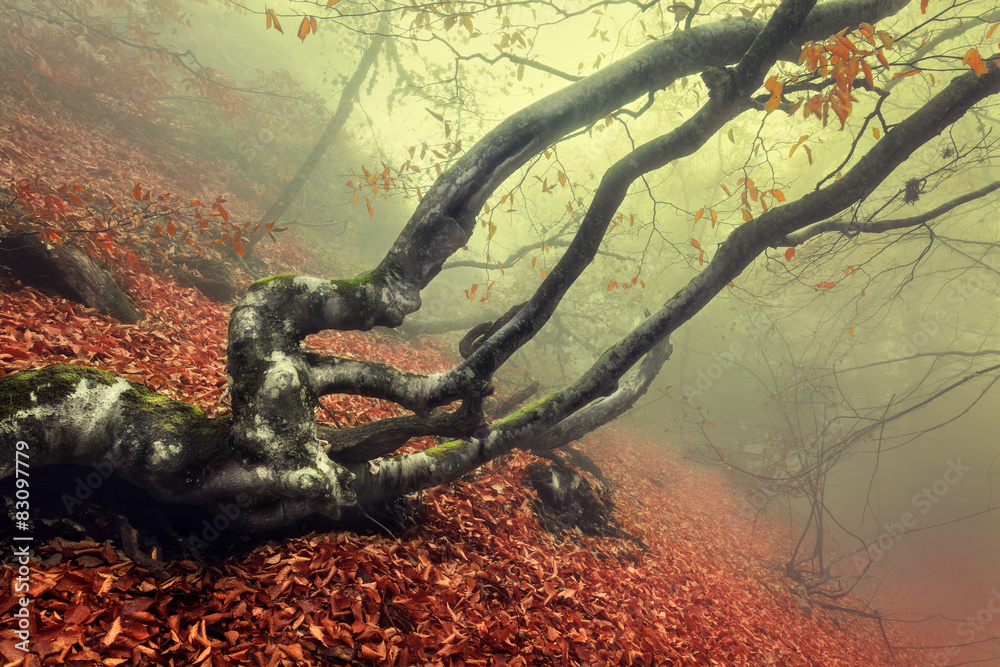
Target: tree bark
(70, 272)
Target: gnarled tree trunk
(268, 457)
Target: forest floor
(470, 579)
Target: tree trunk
(344, 108)
(68, 271)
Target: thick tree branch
(420, 393)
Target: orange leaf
(240, 250)
(612, 285)
(137, 191)
(975, 61)
(826, 285)
(272, 20)
(331, 3)
(923, 6)
(695, 243)
(715, 217)
(304, 28)
(542, 271)
(747, 215)
(371, 211)
(789, 253)
(993, 29)
(850, 331)
(171, 228)
(132, 259)
(697, 216)
(899, 75)
(778, 194)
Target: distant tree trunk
(344, 108)
(68, 271)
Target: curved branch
(854, 227)
(606, 409)
(420, 393)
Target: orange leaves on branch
(773, 86)
(371, 211)
(471, 293)
(272, 21)
(308, 25)
(797, 144)
(975, 61)
(825, 285)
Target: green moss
(444, 448)
(350, 286)
(519, 417)
(285, 277)
(366, 278)
(47, 385)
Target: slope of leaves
(477, 582)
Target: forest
(601, 332)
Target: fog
(856, 372)
(866, 385)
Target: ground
(468, 576)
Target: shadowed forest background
(635, 339)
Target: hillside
(475, 581)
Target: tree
(269, 457)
